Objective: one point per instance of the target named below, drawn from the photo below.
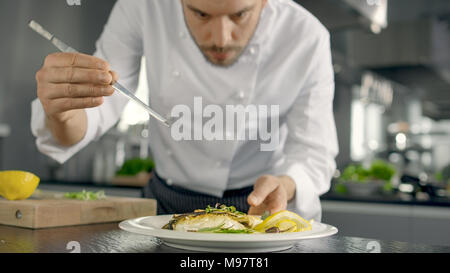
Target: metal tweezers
(65, 48)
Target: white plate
(215, 242)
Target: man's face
(222, 28)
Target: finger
(66, 104)
(71, 90)
(262, 188)
(278, 202)
(273, 203)
(115, 76)
(74, 75)
(259, 210)
(61, 59)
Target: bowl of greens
(359, 180)
(443, 177)
(134, 172)
(135, 166)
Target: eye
(201, 15)
(239, 16)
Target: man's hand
(67, 83)
(271, 193)
(72, 81)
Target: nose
(222, 32)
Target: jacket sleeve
(311, 144)
(120, 45)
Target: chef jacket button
(218, 164)
(241, 94)
(176, 73)
(252, 50)
(169, 181)
(182, 35)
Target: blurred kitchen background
(392, 110)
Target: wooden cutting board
(46, 209)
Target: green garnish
(222, 208)
(86, 195)
(265, 215)
(218, 208)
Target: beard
(237, 50)
(233, 51)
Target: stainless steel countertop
(108, 238)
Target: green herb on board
(86, 195)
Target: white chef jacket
(287, 63)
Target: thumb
(253, 200)
(114, 76)
(263, 187)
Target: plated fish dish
(226, 219)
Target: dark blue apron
(175, 199)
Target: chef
(224, 52)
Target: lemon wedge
(284, 220)
(17, 185)
(286, 225)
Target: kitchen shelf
(402, 199)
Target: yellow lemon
(17, 185)
(286, 225)
(279, 217)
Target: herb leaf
(228, 230)
(85, 195)
(222, 208)
(265, 215)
